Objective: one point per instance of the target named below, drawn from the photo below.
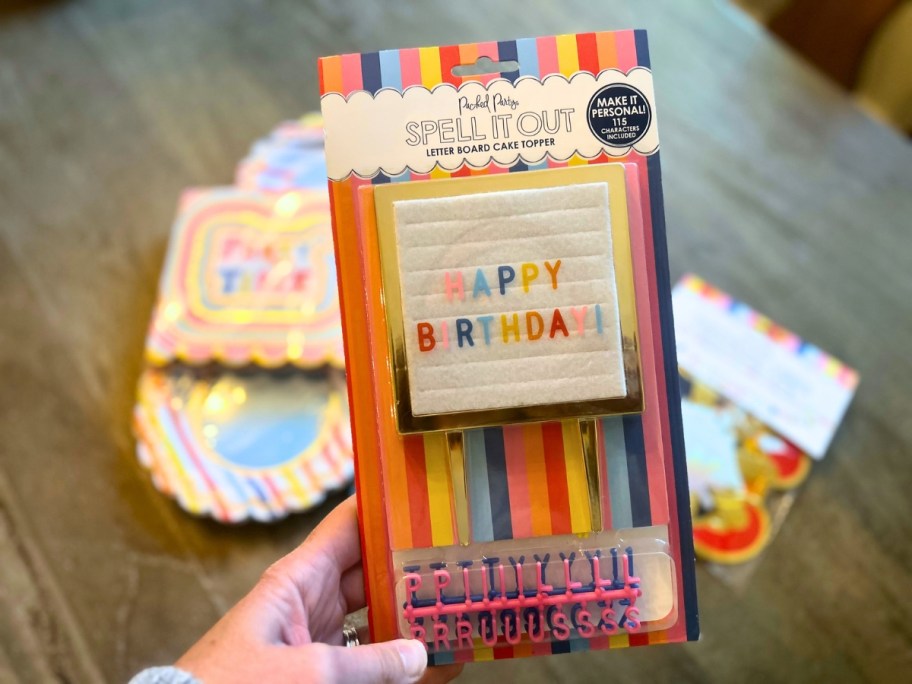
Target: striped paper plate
(244, 445)
(289, 158)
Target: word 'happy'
(506, 328)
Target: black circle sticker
(619, 115)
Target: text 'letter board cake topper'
(510, 299)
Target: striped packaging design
(524, 480)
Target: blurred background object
(241, 413)
(866, 47)
(759, 406)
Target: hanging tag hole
(485, 65)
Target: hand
(289, 627)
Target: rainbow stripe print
(829, 365)
(238, 446)
(524, 481)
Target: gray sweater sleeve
(164, 675)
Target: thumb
(391, 662)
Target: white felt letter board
(509, 299)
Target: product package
(759, 405)
(500, 239)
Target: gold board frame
(384, 198)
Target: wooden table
(778, 190)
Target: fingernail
(414, 657)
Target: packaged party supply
(499, 232)
(759, 405)
(249, 278)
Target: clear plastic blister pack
(527, 591)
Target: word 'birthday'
(451, 611)
(529, 325)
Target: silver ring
(350, 636)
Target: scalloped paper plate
(237, 446)
(290, 157)
(249, 278)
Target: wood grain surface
(777, 189)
